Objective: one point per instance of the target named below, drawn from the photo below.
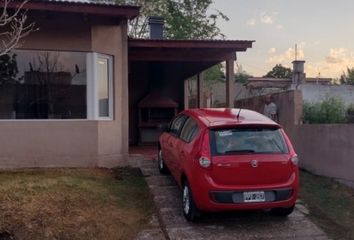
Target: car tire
(161, 164)
(283, 212)
(190, 210)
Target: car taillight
(205, 156)
(204, 162)
(295, 159)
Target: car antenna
(238, 114)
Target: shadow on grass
(331, 204)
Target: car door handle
(170, 144)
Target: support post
(200, 88)
(186, 94)
(230, 83)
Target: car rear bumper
(210, 197)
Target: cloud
(272, 50)
(286, 57)
(251, 22)
(267, 18)
(337, 55)
(333, 64)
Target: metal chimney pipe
(156, 27)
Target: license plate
(254, 196)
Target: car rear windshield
(247, 140)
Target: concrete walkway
(241, 225)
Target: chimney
(156, 27)
(299, 75)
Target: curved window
(189, 131)
(248, 140)
(177, 124)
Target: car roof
(216, 117)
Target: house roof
(185, 50)
(264, 82)
(103, 8)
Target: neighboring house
(75, 99)
(313, 89)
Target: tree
(184, 19)
(13, 25)
(214, 75)
(348, 77)
(8, 69)
(241, 76)
(279, 71)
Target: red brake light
(205, 156)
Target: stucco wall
(71, 32)
(113, 144)
(48, 144)
(316, 93)
(73, 143)
(326, 149)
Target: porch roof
(64, 6)
(185, 50)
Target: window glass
(189, 130)
(248, 140)
(43, 85)
(103, 86)
(177, 124)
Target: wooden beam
(196, 44)
(230, 83)
(186, 94)
(200, 89)
(179, 55)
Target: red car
(229, 159)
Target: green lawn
(331, 205)
(74, 204)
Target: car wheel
(190, 211)
(283, 212)
(161, 164)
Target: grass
(331, 205)
(74, 204)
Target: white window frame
(92, 86)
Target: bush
(350, 113)
(330, 110)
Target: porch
(158, 70)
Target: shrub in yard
(350, 113)
(330, 110)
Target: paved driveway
(241, 225)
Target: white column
(91, 85)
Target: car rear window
(249, 140)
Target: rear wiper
(241, 151)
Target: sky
(322, 30)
